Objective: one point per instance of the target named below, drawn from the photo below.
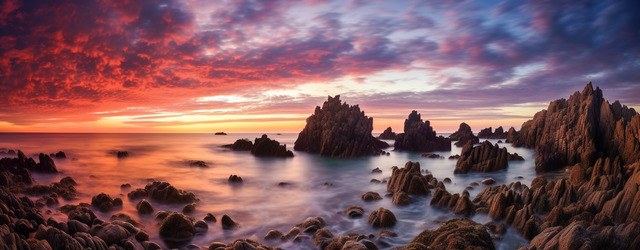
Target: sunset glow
(263, 66)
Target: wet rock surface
(419, 136)
(454, 234)
(339, 130)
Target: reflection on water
(260, 204)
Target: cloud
(68, 60)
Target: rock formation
(487, 133)
(382, 217)
(454, 234)
(419, 136)
(264, 146)
(483, 158)
(388, 134)
(464, 135)
(240, 145)
(339, 130)
(410, 180)
(581, 130)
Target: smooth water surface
(317, 186)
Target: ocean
(315, 185)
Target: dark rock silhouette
(240, 145)
(464, 135)
(454, 234)
(419, 136)
(371, 196)
(339, 130)
(163, 192)
(512, 135)
(177, 228)
(104, 202)
(487, 133)
(227, 222)
(144, 207)
(581, 130)
(235, 179)
(388, 134)
(264, 146)
(483, 158)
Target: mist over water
(316, 186)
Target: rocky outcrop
(454, 234)
(581, 130)
(488, 133)
(105, 203)
(410, 180)
(483, 158)
(144, 207)
(266, 147)
(240, 145)
(419, 136)
(339, 130)
(464, 135)
(388, 134)
(163, 192)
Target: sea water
(315, 185)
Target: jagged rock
(487, 133)
(227, 222)
(409, 180)
(339, 130)
(388, 134)
(144, 207)
(264, 146)
(177, 227)
(376, 171)
(580, 130)
(371, 196)
(454, 157)
(354, 211)
(432, 156)
(454, 234)
(484, 158)
(464, 205)
(382, 218)
(401, 198)
(512, 135)
(419, 136)
(464, 135)
(240, 145)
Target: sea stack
(419, 136)
(339, 130)
(581, 130)
(464, 135)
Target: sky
(263, 66)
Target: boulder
(227, 222)
(144, 207)
(388, 134)
(164, 192)
(464, 135)
(339, 130)
(104, 202)
(371, 196)
(210, 218)
(111, 233)
(354, 211)
(177, 227)
(234, 179)
(419, 136)
(58, 239)
(454, 234)
(382, 218)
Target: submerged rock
(104, 202)
(454, 234)
(419, 136)
(144, 207)
(234, 179)
(339, 130)
(388, 134)
(227, 222)
(371, 196)
(464, 135)
(354, 211)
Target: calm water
(260, 204)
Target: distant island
(220, 133)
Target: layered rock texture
(388, 134)
(419, 136)
(464, 135)
(488, 133)
(483, 158)
(339, 130)
(581, 130)
(410, 180)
